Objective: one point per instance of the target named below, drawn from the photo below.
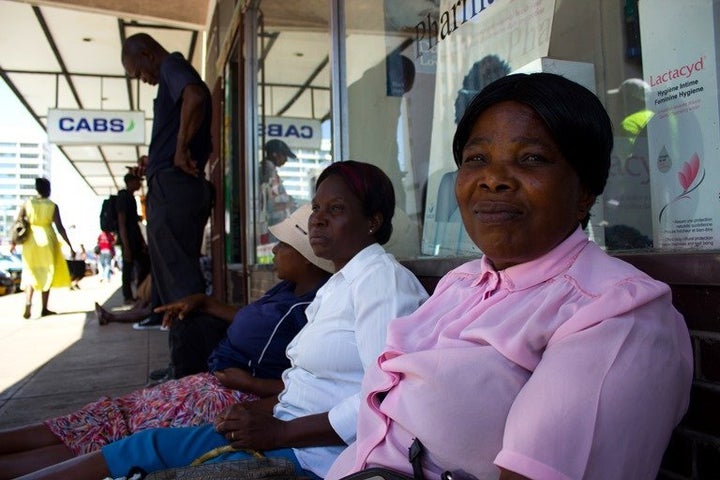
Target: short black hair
(576, 119)
(134, 44)
(129, 177)
(42, 185)
(372, 187)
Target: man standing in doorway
(179, 198)
(136, 263)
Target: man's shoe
(148, 324)
(160, 373)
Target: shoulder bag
(20, 230)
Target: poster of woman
(474, 43)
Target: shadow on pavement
(52, 365)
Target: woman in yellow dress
(44, 265)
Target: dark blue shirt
(175, 74)
(260, 332)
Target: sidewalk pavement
(52, 365)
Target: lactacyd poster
(679, 64)
(474, 43)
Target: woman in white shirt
(315, 416)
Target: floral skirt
(187, 401)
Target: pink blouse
(574, 365)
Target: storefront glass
(231, 170)
(293, 108)
(413, 65)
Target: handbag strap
(216, 452)
(415, 457)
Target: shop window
(412, 66)
(293, 110)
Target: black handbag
(20, 230)
(381, 473)
(377, 473)
(76, 268)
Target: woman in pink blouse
(546, 358)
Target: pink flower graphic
(689, 172)
(686, 176)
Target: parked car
(7, 285)
(10, 271)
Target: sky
(79, 206)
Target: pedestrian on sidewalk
(44, 265)
(106, 251)
(135, 259)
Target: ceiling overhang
(182, 13)
(66, 55)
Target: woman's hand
(240, 379)
(182, 307)
(246, 428)
(236, 378)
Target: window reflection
(294, 141)
(411, 65)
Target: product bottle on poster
(677, 173)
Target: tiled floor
(52, 365)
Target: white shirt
(346, 330)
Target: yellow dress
(44, 265)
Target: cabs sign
(304, 133)
(96, 127)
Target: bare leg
(26, 438)
(22, 463)
(45, 297)
(28, 294)
(28, 301)
(135, 314)
(91, 466)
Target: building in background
(80, 206)
(21, 162)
